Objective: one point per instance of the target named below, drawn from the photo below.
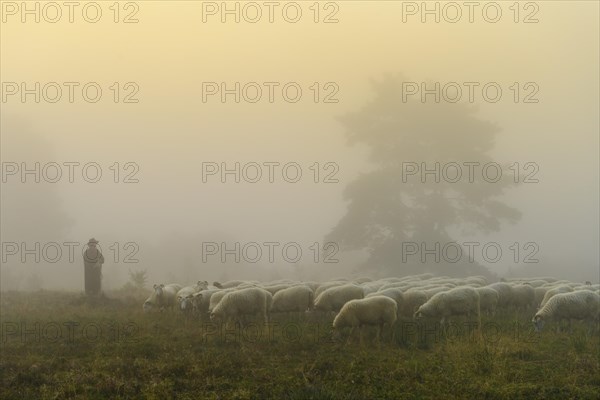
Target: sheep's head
(215, 315)
(339, 322)
(217, 284)
(148, 306)
(186, 303)
(202, 285)
(423, 310)
(538, 323)
(418, 314)
(158, 289)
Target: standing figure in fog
(93, 260)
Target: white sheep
(412, 300)
(375, 310)
(459, 301)
(505, 293)
(323, 287)
(370, 287)
(580, 305)
(523, 297)
(241, 303)
(554, 291)
(488, 300)
(217, 296)
(334, 298)
(393, 293)
(540, 292)
(162, 297)
(276, 288)
(298, 299)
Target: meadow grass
(109, 349)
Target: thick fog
(162, 205)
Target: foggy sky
(171, 132)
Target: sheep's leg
(443, 326)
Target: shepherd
(93, 260)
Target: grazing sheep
(413, 299)
(488, 300)
(537, 282)
(276, 288)
(430, 292)
(216, 298)
(523, 297)
(459, 301)
(334, 298)
(163, 296)
(554, 291)
(370, 287)
(244, 302)
(540, 292)
(326, 286)
(393, 293)
(505, 293)
(581, 305)
(375, 310)
(294, 299)
(481, 281)
(394, 285)
(312, 284)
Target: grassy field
(63, 345)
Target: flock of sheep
(362, 301)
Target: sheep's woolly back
(459, 301)
(327, 285)
(523, 295)
(540, 292)
(554, 291)
(393, 293)
(229, 284)
(574, 305)
(217, 296)
(333, 299)
(296, 298)
(243, 302)
(273, 289)
(413, 299)
(488, 298)
(505, 293)
(375, 310)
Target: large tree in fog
(386, 210)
